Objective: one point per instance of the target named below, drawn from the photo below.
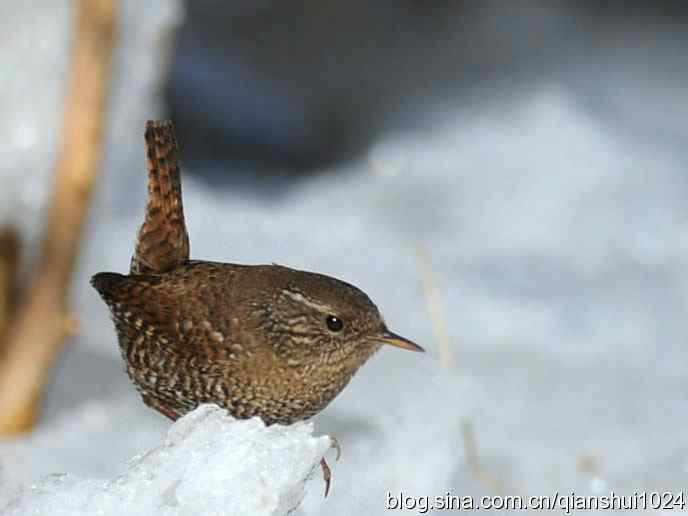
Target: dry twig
(42, 323)
(432, 297)
(9, 269)
(470, 449)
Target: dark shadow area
(292, 88)
(299, 86)
(620, 9)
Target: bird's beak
(387, 337)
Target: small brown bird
(259, 340)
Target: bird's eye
(334, 323)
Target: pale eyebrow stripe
(299, 298)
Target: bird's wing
(165, 312)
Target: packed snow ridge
(210, 463)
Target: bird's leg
(155, 404)
(327, 472)
(334, 443)
(327, 475)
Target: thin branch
(9, 270)
(42, 324)
(470, 449)
(432, 296)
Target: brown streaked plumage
(260, 340)
(162, 242)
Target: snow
(188, 473)
(555, 221)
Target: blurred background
(507, 180)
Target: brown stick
(42, 324)
(9, 269)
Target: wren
(258, 340)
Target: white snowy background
(551, 206)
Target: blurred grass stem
(432, 296)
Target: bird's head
(313, 315)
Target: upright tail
(162, 242)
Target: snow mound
(210, 463)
